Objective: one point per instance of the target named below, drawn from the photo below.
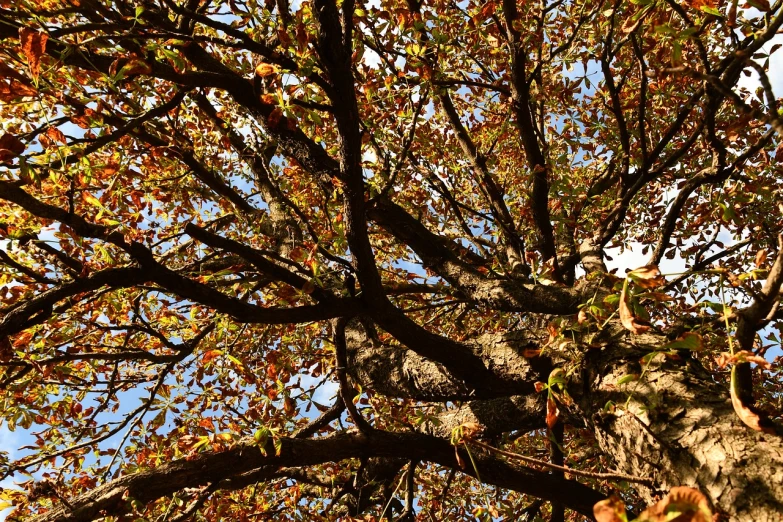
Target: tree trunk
(677, 426)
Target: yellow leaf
(265, 69)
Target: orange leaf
(552, 413)
(626, 316)
(682, 504)
(265, 69)
(33, 47)
(610, 510)
(747, 415)
(23, 339)
(724, 359)
(55, 134)
(761, 258)
(211, 355)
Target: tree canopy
(322, 260)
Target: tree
(315, 260)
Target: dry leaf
(33, 47)
(265, 69)
(725, 359)
(529, 353)
(761, 258)
(10, 147)
(289, 406)
(648, 276)
(552, 413)
(626, 316)
(610, 510)
(747, 415)
(682, 504)
(460, 460)
(471, 429)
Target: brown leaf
(471, 429)
(23, 339)
(460, 460)
(626, 316)
(10, 147)
(682, 504)
(747, 415)
(725, 359)
(55, 134)
(33, 47)
(552, 413)
(610, 510)
(275, 117)
(761, 258)
(648, 276)
(289, 406)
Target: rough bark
(679, 428)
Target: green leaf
(628, 378)
(689, 341)
(711, 10)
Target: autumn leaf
(747, 414)
(552, 412)
(308, 287)
(647, 277)
(289, 406)
(266, 69)
(275, 117)
(725, 359)
(33, 47)
(627, 318)
(23, 339)
(761, 258)
(681, 504)
(610, 510)
(10, 147)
